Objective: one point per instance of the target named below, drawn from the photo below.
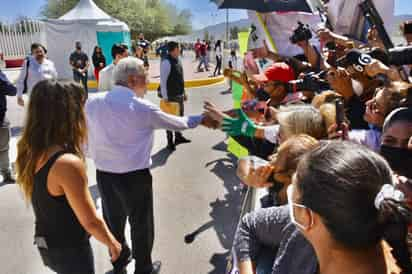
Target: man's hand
(255, 177)
(214, 113)
(377, 67)
(20, 101)
(325, 35)
(335, 133)
(340, 81)
(261, 52)
(209, 122)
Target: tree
(206, 35)
(234, 33)
(154, 18)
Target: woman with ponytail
(343, 201)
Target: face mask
(291, 205)
(357, 87)
(78, 48)
(399, 159)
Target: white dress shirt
(165, 69)
(121, 129)
(106, 78)
(37, 72)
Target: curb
(92, 84)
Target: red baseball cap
(277, 72)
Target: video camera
(301, 33)
(310, 82)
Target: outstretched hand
(239, 126)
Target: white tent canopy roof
(86, 10)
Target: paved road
(195, 190)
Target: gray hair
(126, 67)
(302, 119)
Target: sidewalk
(189, 66)
(188, 61)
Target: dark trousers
(130, 195)
(178, 134)
(256, 147)
(69, 260)
(79, 78)
(218, 69)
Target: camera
(310, 82)
(301, 33)
(400, 56)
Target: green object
(243, 38)
(237, 93)
(240, 126)
(236, 149)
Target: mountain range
(219, 31)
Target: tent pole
(227, 27)
(267, 33)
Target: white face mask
(291, 205)
(357, 87)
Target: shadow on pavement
(160, 158)
(224, 213)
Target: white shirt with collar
(106, 78)
(36, 73)
(121, 129)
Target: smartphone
(340, 113)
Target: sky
(204, 12)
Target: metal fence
(16, 38)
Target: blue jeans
(69, 260)
(203, 61)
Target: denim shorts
(77, 260)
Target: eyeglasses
(291, 204)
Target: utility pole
(227, 27)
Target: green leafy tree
(234, 33)
(154, 18)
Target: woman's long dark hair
(218, 44)
(55, 117)
(340, 181)
(95, 51)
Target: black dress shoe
(181, 140)
(156, 266)
(120, 271)
(171, 147)
(8, 177)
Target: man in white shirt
(121, 126)
(119, 51)
(35, 69)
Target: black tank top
(55, 219)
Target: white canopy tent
(86, 23)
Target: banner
(243, 38)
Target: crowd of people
(332, 129)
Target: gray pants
(4, 147)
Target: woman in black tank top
(52, 175)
